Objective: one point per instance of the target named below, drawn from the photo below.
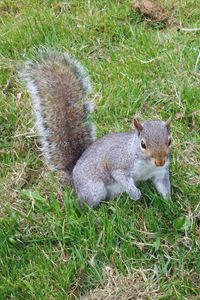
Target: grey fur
(101, 169)
(115, 164)
(40, 77)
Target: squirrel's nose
(160, 162)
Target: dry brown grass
(190, 157)
(141, 285)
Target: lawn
(49, 247)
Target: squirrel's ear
(137, 124)
(168, 122)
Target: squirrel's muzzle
(160, 162)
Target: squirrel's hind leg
(114, 190)
(92, 193)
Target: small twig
(189, 29)
(28, 134)
(46, 255)
(7, 86)
(125, 76)
(178, 97)
(147, 61)
(158, 57)
(196, 65)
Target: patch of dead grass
(141, 285)
(150, 10)
(10, 187)
(14, 181)
(190, 156)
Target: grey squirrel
(97, 169)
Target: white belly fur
(144, 170)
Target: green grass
(49, 248)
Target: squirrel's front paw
(136, 194)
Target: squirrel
(98, 169)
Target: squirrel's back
(58, 86)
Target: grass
(50, 249)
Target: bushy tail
(58, 86)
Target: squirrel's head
(155, 140)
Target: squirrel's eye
(143, 145)
(169, 142)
